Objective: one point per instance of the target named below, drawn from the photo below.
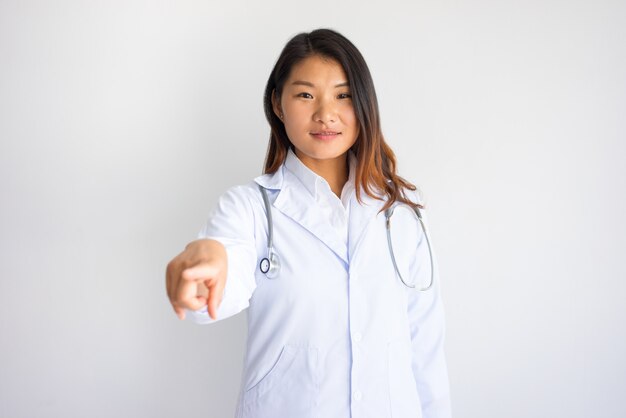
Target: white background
(122, 121)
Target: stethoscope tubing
(270, 265)
(388, 214)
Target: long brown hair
(376, 163)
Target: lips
(325, 134)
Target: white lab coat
(336, 334)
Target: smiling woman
(316, 109)
(334, 332)
(336, 57)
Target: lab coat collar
(273, 181)
(298, 203)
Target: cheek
(297, 112)
(351, 120)
(356, 128)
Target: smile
(325, 135)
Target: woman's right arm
(213, 278)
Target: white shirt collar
(303, 173)
(312, 182)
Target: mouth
(325, 135)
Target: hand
(197, 277)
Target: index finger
(200, 272)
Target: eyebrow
(309, 84)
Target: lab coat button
(357, 337)
(357, 395)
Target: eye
(305, 95)
(345, 96)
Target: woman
(332, 329)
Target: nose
(326, 113)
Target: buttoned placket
(356, 301)
(337, 210)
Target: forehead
(317, 68)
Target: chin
(324, 155)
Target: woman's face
(316, 108)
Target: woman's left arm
(427, 326)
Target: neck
(335, 171)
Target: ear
(278, 111)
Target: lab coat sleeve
(427, 326)
(231, 222)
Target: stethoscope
(270, 265)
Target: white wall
(122, 121)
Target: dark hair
(376, 162)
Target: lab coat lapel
(297, 203)
(362, 216)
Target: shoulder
(272, 181)
(249, 194)
(240, 198)
(416, 196)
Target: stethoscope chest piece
(265, 265)
(270, 266)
